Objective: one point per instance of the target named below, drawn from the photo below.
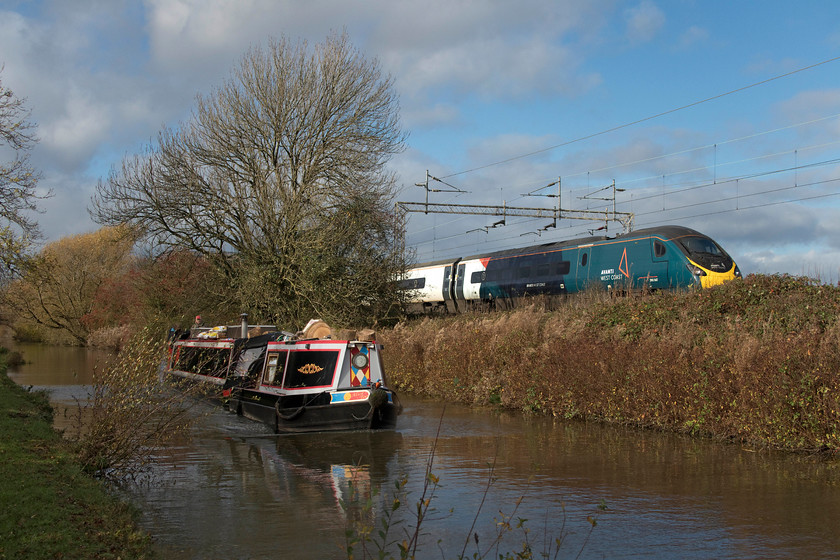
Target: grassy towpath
(49, 508)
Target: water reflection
(235, 491)
(65, 372)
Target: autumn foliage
(92, 289)
(57, 288)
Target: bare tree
(18, 181)
(272, 176)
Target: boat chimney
(244, 325)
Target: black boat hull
(379, 411)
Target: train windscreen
(701, 245)
(706, 253)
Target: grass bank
(51, 508)
(755, 361)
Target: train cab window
(583, 259)
(696, 244)
(658, 249)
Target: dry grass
(755, 361)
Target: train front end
(707, 261)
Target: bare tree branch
(277, 177)
(18, 182)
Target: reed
(753, 361)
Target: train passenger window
(658, 249)
(542, 270)
(563, 267)
(583, 259)
(525, 272)
(412, 284)
(478, 276)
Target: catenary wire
(645, 119)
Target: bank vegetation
(52, 507)
(753, 361)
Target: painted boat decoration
(302, 382)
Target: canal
(232, 490)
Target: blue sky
(482, 84)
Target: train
(657, 258)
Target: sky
(722, 116)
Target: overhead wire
(628, 164)
(762, 205)
(645, 119)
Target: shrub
(754, 361)
(130, 414)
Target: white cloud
(644, 21)
(500, 50)
(429, 116)
(811, 104)
(692, 36)
(75, 135)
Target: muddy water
(235, 491)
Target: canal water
(232, 490)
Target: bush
(753, 361)
(130, 414)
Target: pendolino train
(658, 258)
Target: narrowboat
(303, 382)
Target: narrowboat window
(583, 259)
(274, 368)
(658, 249)
(203, 361)
(310, 368)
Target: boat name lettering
(355, 395)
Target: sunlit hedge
(754, 361)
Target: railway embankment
(51, 508)
(755, 361)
